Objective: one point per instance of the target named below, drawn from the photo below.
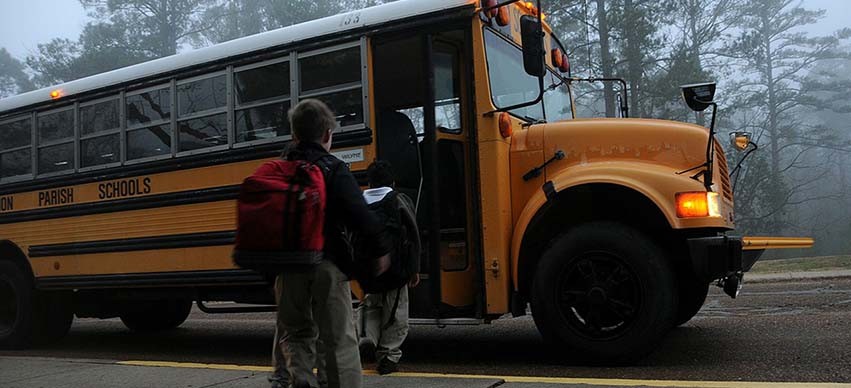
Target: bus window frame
(291, 98)
(124, 93)
(226, 109)
(171, 121)
(499, 35)
(363, 84)
(119, 131)
(31, 146)
(73, 140)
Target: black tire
(606, 292)
(149, 316)
(56, 314)
(17, 307)
(691, 299)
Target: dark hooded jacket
(345, 211)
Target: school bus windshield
(511, 85)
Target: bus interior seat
(397, 142)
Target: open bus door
(423, 130)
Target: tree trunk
(633, 56)
(607, 63)
(694, 15)
(776, 219)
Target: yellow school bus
(117, 191)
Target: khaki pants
(317, 305)
(375, 314)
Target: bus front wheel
(692, 297)
(158, 315)
(604, 291)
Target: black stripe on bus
(214, 194)
(347, 139)
(185, 278)
(190, 240)
(221, 193)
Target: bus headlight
(698, 204)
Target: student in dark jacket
(384, 315)
(317, 302)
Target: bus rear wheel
(606, 292)
(17, 313)
(56, 314)
(158, 315)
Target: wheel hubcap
(599, 295)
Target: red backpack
(280, 217)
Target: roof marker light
(502, 17)
(54, 94)
(557, 58)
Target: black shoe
(386, 367)
(367, 350)
(278, 381)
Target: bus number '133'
(350, 19)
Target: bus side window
(99, 130)
(56, 141)
(16, 148)
(335, 79)
(148, 125)
(202, 113)
(262, 99)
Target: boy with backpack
(293, 218)
(384, 310)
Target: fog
(782, 67)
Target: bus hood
(678, 145)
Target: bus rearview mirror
(532, 38)
(698, 97)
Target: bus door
(422, 129)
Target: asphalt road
(791, 331)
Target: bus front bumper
(727, 258)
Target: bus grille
(723, 171)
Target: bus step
(446, 321)
(235, 309)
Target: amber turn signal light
(505, 125)
(698, 204)
(557, 58)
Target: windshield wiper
(533, 120)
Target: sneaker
(386, 366)
(367, 350)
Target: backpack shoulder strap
(325, 162)
(392, 319)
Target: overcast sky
(26, 23)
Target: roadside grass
(803, 264)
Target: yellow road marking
(525, 379)
(193, 365)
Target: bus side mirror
(532, 37)
(698, 97)
(740, 140)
